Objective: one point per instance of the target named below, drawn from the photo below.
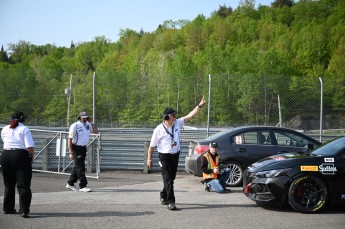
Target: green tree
(88, 55)
(281, 3)
(223, 11)
(3, 55)
(336, 71)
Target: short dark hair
(20, 116)
(169, 111)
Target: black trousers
(78, 172)
(169, 167)
(17, 170)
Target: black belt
(78, 145)
(170, 153)
(11, 148)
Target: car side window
(290, 139)
(266, 137)
(252, 137)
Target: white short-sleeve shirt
(80, 133)
(163, 140)
(19, 137)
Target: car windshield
(330, 148)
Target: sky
(60, 22)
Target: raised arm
(195, 110)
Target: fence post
(45, 155)
(91, 156)
(146, 147)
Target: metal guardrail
(50, 153)
(120, 148)
(124, 149)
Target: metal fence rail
(113, 149)
(51, 153)
(124, 148)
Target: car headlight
(272, 173)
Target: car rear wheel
(308, 194)
(236, 174)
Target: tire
(236, 174)
(308, 194)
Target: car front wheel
(308, 194)
(236, 174)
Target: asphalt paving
(130, 199)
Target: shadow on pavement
(90, 214)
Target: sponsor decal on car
(311, 168)
(327, 169)
(277, 158)
(329, 159)
(257, 164)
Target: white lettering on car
(329, 159)
(327, 169)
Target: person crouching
(214, 177)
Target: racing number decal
(239, 139)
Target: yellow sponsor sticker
(313, 168)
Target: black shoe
(25, 215)
(10, 212)
(206, 187)
(163, 202)
(227, 190)
(171, 206)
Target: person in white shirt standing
(166, 137)
(78, 138)
(16, 163)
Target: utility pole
(68, 93)
(94, 98)
(321, 108)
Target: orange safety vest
(211, 165)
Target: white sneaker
(85, 189)
(72, 187)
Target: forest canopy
(252, 54)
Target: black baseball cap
(19, 116)
(214, 145)
(169, 111)
(83, 114)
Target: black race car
(308, 181)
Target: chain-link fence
(51, 153)
(113, 149)
(138, 101)
(127, 108)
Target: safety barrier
(114, 149)
(51, 154)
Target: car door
(250, 146)
(333, 170)
(287, 141)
